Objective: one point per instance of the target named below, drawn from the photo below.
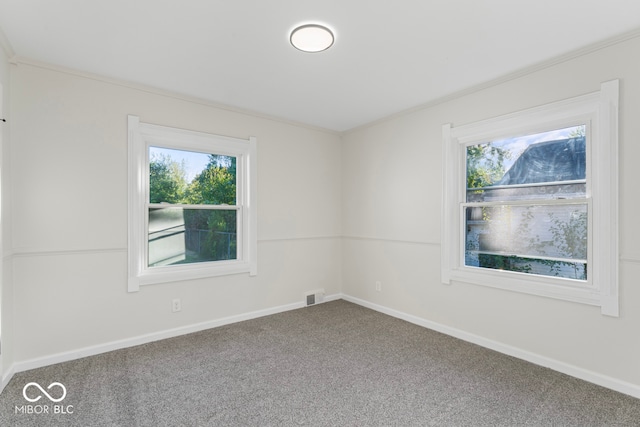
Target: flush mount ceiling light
(311, 38)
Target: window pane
(557, 190)
(183, 236)
(187, 177)
(544, 240)
(531, 166)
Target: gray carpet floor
(333, 364)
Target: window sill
(188, 272)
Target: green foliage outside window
(485, 167)
(210, 234)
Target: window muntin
(596, 195)
(185, 236)
(192, 212)
(192, 205)
(542, 161)
(523, 211)
(547, 240)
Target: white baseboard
(574, 371)
(147, 338)
(6, 378)
(565, 368)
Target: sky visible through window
(517, 145)
(547, 239)
(193, 162)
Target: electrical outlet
(176, 305)
(379, 286)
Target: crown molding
(21, 60)
(594, 47)
(576, 53)
(6, 45)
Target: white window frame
(144, 135)
(599, 111)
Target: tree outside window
(191, 232)
(515, 221)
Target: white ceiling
(389, 56)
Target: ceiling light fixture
(311, 38)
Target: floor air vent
(314, 297)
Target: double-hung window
(530, 201)
(191, 205)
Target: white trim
(6, 378)
(606, 254)
(523, 72)
(295, 239)
(6, 45)
(448, 230)
(135, 205)
(251, 205)
(587, 50)
(66, 356)
(387, 240)
(22, 60)
(25, 252)
(576, 111)
(144, 135)
(565, 368)
(599, 112)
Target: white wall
(338, 213)
(392, 191)
(69, 174)
(6, 289)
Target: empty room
(340, 213)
